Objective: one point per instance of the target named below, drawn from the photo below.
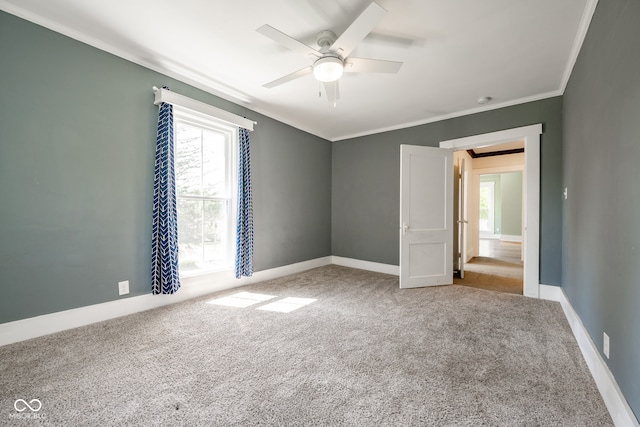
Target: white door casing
(531, 238)
(426, 216)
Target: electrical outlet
(123, 287)
(605, 344)
(565, 193)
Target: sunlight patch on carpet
(241, 299)
(287, 305)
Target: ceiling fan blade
(363, 65)
(289, 77)
(332, 90)
(287, 41)
(358, 29)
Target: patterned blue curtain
(164, 255)
(244, 230)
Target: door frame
(531, 239)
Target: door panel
(426, 216)
(426, 259)
(462, 218)
(423, 216)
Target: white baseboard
(192, 287)
(551, 293)
(487, 236)
(510, 238)
(366, 265)
(615, 401)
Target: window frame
(230, 133)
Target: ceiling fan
(332, 59)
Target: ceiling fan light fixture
(328, 68)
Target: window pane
(216, 234)
(190, 245)
(214, 153)
(203, 235)
(188, 160)
(484, 208)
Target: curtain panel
(165, 278)
(244, 227)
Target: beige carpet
(363, 353)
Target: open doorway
(469, 246)
(493, 195)
(498, 264)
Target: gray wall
(366, 182)
(511, 203)
(602, 174)
(77, 141)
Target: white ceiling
(454, 51)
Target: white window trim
(209, 122)
(177, 100)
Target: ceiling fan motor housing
(330, 65)
(325, 39)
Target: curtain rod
(164, 95)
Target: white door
(462, 218)
(426, 216)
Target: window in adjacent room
(487, 214)
(205, 168)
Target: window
(487, 208)
(205, 168)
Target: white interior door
(426, 216)
(462, 218)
